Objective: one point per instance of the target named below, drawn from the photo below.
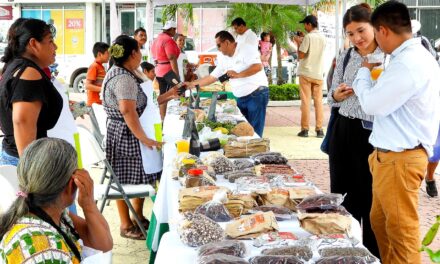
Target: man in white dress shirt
(405, 104)
(244, 34)
(242, 64)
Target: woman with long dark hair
(124, 102)
(29, 103)
(348, 145)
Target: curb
(283, 103)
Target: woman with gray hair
(48, 180)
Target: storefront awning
(278, 2)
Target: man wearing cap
(241, 64)
(165, 53)
(310, 72)
(244, 34)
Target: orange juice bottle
(182, 146)
(375, 73)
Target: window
(68, 21)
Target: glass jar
(194, 178)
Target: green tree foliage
(185, 11)
(278, 20)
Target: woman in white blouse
(348, 145)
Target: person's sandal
(132, 232)
(431, 188)
(144, 222)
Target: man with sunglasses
(241, 64)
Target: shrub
(284, 92)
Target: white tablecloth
(167, 204)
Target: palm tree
(185, 11)
(276, 19)
(329, 5)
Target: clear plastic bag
(270, 158)
(197, 230)
(281, 213)
(301, 252)
(272, 259)
(241, 164)
(227, 247)
(348, 252)
(221, 259)
(214, 209)
(328, 201)
(337, 210)
(342, 260)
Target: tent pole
(337, 28)
(103, 23)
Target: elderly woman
(124, 102)
(29, 103)
(49, 178)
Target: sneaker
(303, 133)
(320, 133)
(431, 188)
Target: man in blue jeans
(241, 64)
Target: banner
(5, 12)
(69, 32)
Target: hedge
(284, 92)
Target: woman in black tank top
(29, 103)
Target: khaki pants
(310, 88)
(397, 177)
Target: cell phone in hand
(223, 78)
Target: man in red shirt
(165, 53)
(96, 73)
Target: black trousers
(350, 173)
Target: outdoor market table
(165, 210)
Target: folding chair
(91, 153)
(98, 118)
(8, 186)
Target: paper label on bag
(251, 223)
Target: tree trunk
(269, 78)
(279, 65)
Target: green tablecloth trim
(163, 228)
(229, 95)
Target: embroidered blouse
(32, 240)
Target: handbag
(334, 112)
(331, 122)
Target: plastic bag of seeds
(241, 164)
(221, 259)
(302, 252)
(281, 213)
(227, 247)
(215, 209)
(341, 260)
(348, 252)
(327, 201)
(197, 230)
(272, 259)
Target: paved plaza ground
(282, 124)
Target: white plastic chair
(92, 153)
(8, 186)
